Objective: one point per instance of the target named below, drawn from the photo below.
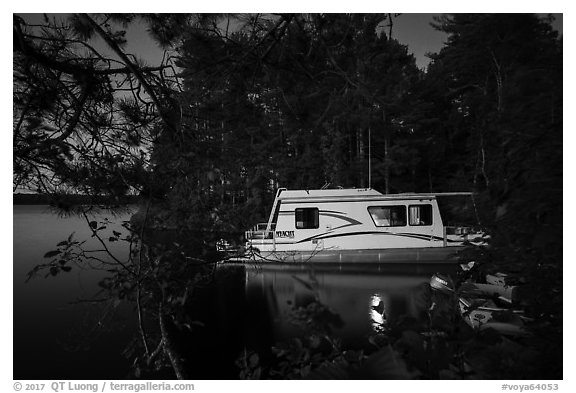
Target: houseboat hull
(389, 255)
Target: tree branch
(130, 66)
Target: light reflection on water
(377, 313)
(365, 297)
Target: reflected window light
(377, 312)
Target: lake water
(57, 335)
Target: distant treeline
(47, 199)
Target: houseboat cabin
(355, 225)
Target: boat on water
(356, 225)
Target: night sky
(412, 29)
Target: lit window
(307, 218)
(388, 216)
(420, 215)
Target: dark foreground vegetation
(243, 104)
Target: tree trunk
(386, 165)
(360, 146)
(386, 158)
(170, 347)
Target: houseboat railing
(461, 233)
(260, 234)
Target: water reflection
(365, 298)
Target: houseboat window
(420, 214)
(307, 218)
(388, 216)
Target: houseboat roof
(354, 194)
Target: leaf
(378, 340)
(501, 211)
(51, 254)
(82, 29)
(54, 270)
(336, 370)
(93, 224)
(66, 268)
(253, 360)
(112, 239)
(62, 243)
(117, 234)
(386, 364)
(411, 341)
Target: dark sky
(413, 30)
(410, 29)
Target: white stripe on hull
(390, 255)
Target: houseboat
(356, 225)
